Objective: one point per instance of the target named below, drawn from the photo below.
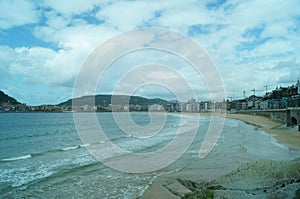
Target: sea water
(42, 155)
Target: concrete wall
(293, 117)
(278, 115)
(289, 116)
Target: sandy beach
(185, 187)
(284, 135)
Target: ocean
(42, 155)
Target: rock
(177, 188)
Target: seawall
(290, 116)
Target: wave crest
(16, 158)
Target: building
(169, 107)
(192, 106)
(126, 108)
(21, 107)
(237, 105)
(188, 108)
(254, 102)
(116, 108)
(88, 108)
(220, 107)
(156, 108)
(265, 105)
(298, 87)
(135, 107)
(275, 103)
(205, 106)
(181, 107)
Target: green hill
(4, 98)
(105, 100)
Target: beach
(252, 178)
(42, 156)
(284, 135)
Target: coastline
(168, 187)
(284, 135)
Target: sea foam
(16, 158)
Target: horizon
(42, 54)
(230, 99)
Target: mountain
(105, 100)
(4, 98)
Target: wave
(23, 157)
(70, 148)
(75, 147)
(42, 173)
(85, 145)
(35, 154)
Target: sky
(43, 44)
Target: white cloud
(156, 78)
(245, 77)
(128, 15)
(17, 13)
(68, 8)
(253, 13)
(181, 15)
(77, 37)
(45, 66)
(55, 20)
(289, 71)
(7, 56)
(70, 33)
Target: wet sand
(166, 187)
(284, 135)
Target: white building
(192, 106)
(156, 107)
(182, 107)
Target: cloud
(128, 15)
(42, 65)
(7, 56)
(215, 4)
(17, 13)
(245, 77)
(158, 79)
(72, 33)
(68, 8)
(204, 29)
(289, 72)
(251, 42)
(130, 65)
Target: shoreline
(288, 136)
(167, 186)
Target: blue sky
(43, 44)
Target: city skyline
(279, 98)
(44, 44)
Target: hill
(4, 98)
(105, 100)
